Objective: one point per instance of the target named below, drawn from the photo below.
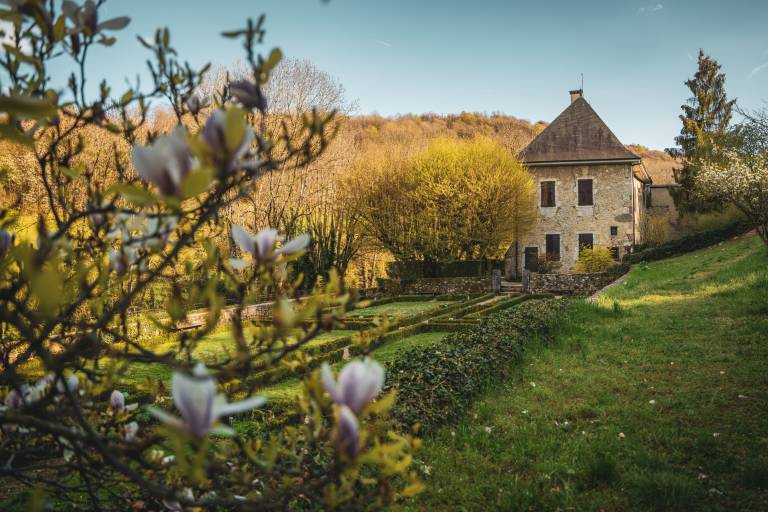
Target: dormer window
(585, 196)
(547, 194)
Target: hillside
(654, 399)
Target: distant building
(591, 192)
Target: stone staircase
(511, 287)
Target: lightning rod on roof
(582, 83)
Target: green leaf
(107, 41)
(234, 127)
(137, 195)
(126, 97)
(231, 34)
(46, 287)
(196, 182)
(26, 106)
(275, 56)
(59, 29)
(71, 173)
(11, 133)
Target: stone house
(591, 192)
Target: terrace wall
(439, 285)
(567, 284)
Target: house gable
(576, 135)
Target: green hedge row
(438, 384)
(687, 243)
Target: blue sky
(446, 56)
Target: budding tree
(68, 333)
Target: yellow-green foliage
(458, 199)
(655, 228)
(598, 259)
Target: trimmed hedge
(438, 384)
(687, 243)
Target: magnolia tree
(70, 426)
(742, 180)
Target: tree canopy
(455, 200)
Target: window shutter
(553, 247)
(585, 192)
(547, 193)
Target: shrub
(687, 243)
(598, 259)
(438, 384)
(655, 228)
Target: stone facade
(612, 219)
(439, 285)
(567, 284)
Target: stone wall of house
(613, 206)
(439, 285)
(567, 284)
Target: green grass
(210, 349)
(654, 399)
(404, 308)
(288, 389)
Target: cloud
(758, 69)
(650, 9)
(384, 43)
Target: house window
(553, 247)
(585, 192)
(586, 241)
(614, 230)
(547, 194)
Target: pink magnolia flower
(165, 163)
(200, 407)
(359, 383)
(249, 94)
(348, 431)
(117, 400)
(131, 429)
(260, 246)
(225, 153)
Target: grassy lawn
(288, 389)
(404, 308)
(212, 348)
(654, 399)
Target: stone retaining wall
(567, 284)
(439, 285)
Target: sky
(445, 56)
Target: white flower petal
(228, 409)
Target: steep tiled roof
(577, 134)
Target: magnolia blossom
(214, 135)
(195, 104)
(117, 400)
(200, 407)
(69, 383)
(131, 429)
(348, 431)
(165, 163)
(359, 383)
(249, 94)
(262, 245)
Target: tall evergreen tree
(706, 121)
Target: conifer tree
(706, 121)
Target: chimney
(576, 94)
